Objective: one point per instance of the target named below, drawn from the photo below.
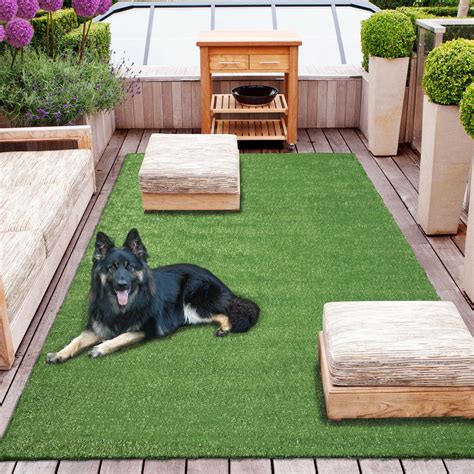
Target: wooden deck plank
(341, 466)
(294, 466)
(79, 467)
(379, 466)
(336, 141)
(459, 466)
(208, 466)
(319, 140)
(250, 466)
(36, 467)
(172, 466)
(424, 466)
(127, 466)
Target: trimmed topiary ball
(449, 69)
(19, 32)
(466, 107)
(85, 8)
(27, 9)
(51, 5)
(387, 34)
(8, 9)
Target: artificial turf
(312, 229)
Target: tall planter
(468, 281)
(387, 81)
(446, 152)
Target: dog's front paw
(55, 358)
(95, 352)
(221, 333)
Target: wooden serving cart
(272, 51)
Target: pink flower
(85, 8)
(51, 5)
(104, 6)
(8, 9)
(27, 9)
(19, 32)
(2, 33)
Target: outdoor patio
(395, 178)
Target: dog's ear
(102, 245)
(135, 244)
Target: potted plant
(387, 41)
(466, 107)
(446, 148)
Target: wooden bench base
(190, 202)
(392, 402)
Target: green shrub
(466, 107)
(40, 91)
(387, 34)
(419, 13)
(97, 44)
(389, 4)
(449, 69)
(64, 22)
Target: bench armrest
(79, 133)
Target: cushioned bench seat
(398, 343)
(190, 172)
(396, 359)
(44, 195)
(19, 268)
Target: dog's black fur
(127, 296)
(157, 297)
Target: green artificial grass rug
(312, 229)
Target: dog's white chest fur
(191, 316)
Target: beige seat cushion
(191, 164)
(68, 168)
(41, 208)
(22, 256)
(397, 343)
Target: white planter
(387, 82)
(468, 281)
(446, 152)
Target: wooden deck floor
(395, 178)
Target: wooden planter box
(102, 128)
(386, 92)
(446, 152)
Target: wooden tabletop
(248, 38)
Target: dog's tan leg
(85, 339)
(224, 324)
(117, 343)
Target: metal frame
(213, 4)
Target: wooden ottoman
(391, 359)
(191, 173)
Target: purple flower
(85, 8)
(8, 9)
(19, 32)
(27, 9)
(51, 5)
(2, 33)
(103, 7)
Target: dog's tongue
(122, 297)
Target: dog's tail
(243, 314)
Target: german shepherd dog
(129, 302)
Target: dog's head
(121, 269)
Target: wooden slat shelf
(225, 103)
(252, 129)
